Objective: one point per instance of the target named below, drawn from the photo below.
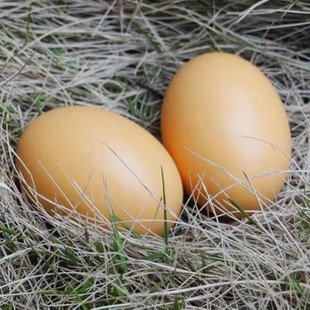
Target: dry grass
(121, 55)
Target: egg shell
(91, 159)
(225, 126)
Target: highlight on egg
(98, 163)
(225, 126)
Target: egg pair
(225, 135)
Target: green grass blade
(246, 215)
(166, 230)
(118, 245)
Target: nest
(121, 56)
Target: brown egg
(225, 127)
(93, 160)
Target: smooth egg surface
(92, 160)
(225, 126)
